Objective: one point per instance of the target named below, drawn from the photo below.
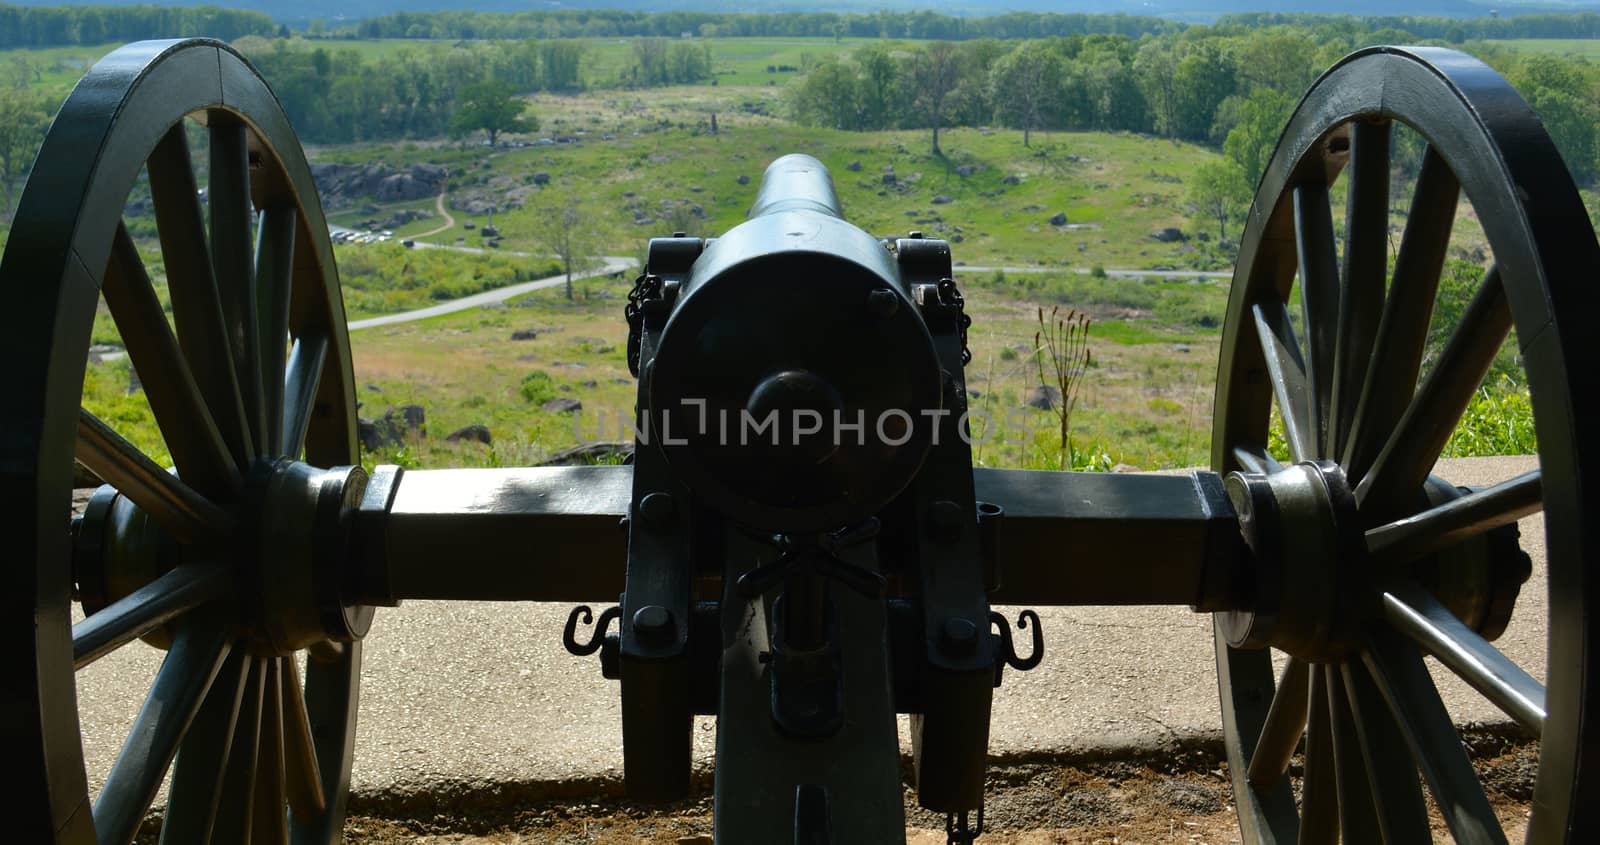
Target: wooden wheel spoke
(303, 774)
(1403, 330)
(1396, 794)
(1458, 519)
(174, 505)
(1418, 615)
(269, 823)
(1256, 459)
(236, 803)
(232, 261)
(1319, 299)
(274, 274)
(136, 614)
(192, 284)
(180, 411)
(197, 775)
(1286, 722)
(304, 377)
(1417, 441)
(1287, 370)
(197, 653)
(1319, 803)
(1366, 269)
(1397, 670)
(1358, 810)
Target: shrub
(1499, 421)
(538, 387)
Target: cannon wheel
(257, 371)
(1370, 716)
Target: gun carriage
(803, 587)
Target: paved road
(612, 264)
(468, 695)
(1190, 275)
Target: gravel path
(476, 698)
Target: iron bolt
(658, 510)
(883, 303)
(653, 623)
(958, 635)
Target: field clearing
(661, 170)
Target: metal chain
(647, 286)
(959, 831)
(950, 295)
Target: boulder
(341, 184)
(541, 178)
(966, 170)
(525, 334)
(743, 179)
(1011, 179)
(562, 405)
(889, 178)
(475, 433)
(1058, 219)
(854, 166)
(396, 427)
(586, 454)
(1044, 397)
(1169, 235)
(941, 199)
(367, 432)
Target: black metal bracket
(609, 644)
(1007, 654)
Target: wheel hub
(296, 553)
(288, 556)
(1308, 562)
(1311, 582)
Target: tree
(560, 226)
(829, 95)
(1204, 79)
(491, 107)
(24, 117)
(1024, 82)
(1219, 190)
(1156, 69)
(879, 75)
(1561, 92)
(936, 72)
(560, 61)
(1251, 142)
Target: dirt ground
(1179, 798)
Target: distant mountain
(1190, 10)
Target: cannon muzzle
(796, 183)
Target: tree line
(1453, 30)
(54, 26)
(1226, 86)
(571, 23)
(339, 96)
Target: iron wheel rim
(1534, 220)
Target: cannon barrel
(796, 182)
(797, 320)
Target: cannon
(807, 549)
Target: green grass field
(735, 61)
(661, 164)
(644, 163)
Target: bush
(538, 387)
(1499, 421)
